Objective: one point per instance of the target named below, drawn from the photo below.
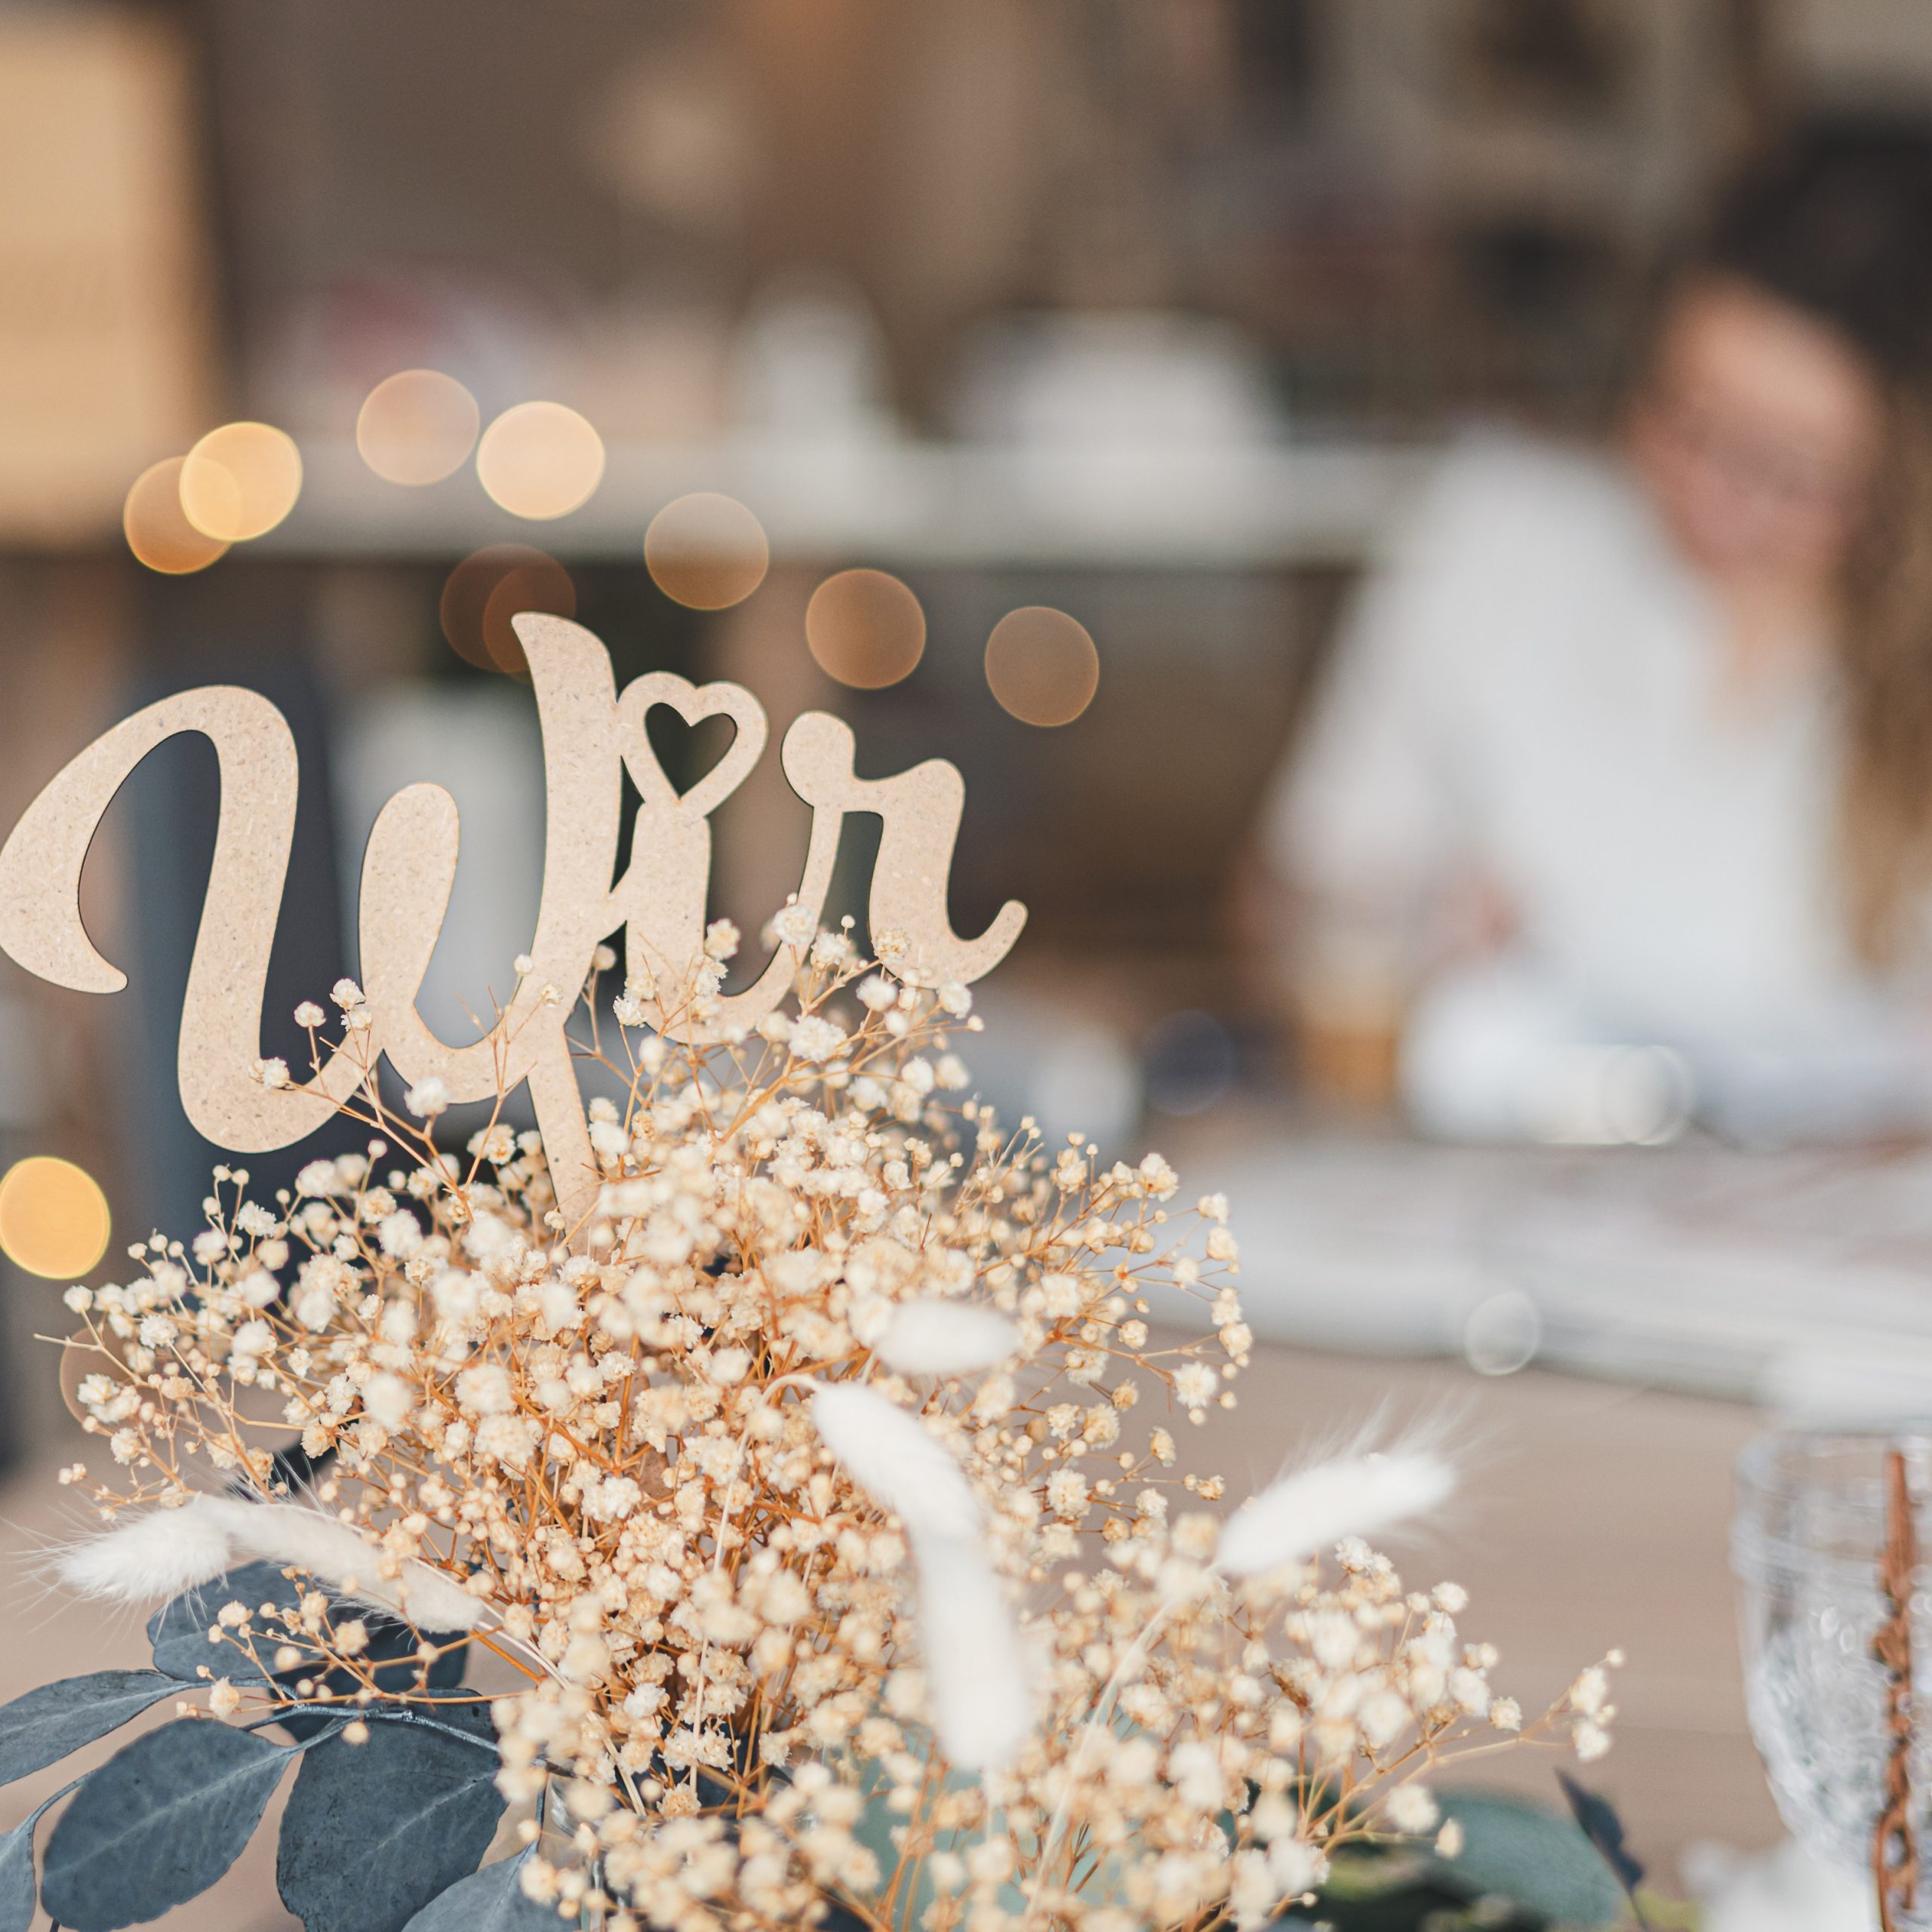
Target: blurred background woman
(1632, 749)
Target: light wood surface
(1594, 1516)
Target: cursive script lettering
(593, 734)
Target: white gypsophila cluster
(818, 1499)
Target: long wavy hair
(1836, 220)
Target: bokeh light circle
(240, 481)
(865, 628)
(417, 427)
(540, 460)
(53, 1218)
(489, 588)
(157, 527)
(1041, 666)
(1503, 1333)
(706, 551)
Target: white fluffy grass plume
(932, 1337)
(162, 1552)
(896, 1460)
(976, 1667)
(983, 1707)
(1365, 1494)
(159, 1553)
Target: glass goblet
(1806, 1545)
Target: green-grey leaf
(1352, 1877)
(17, 1892)
(418, 1806)
(40, 1728)
(161, 1821)
(490, 1900)
(1531, 1856)
(16, 1886)
(179, 1629)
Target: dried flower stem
(599, 1432)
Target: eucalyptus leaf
(374, 1831)
(41, 1728)
(179, 1629)
(389, 1650)
(1597, 1820)
(16, 1885)
(18, 1895)
(1363, 1872)
(160, 1821)
(490, 1900)
(17, 1889)
(1531, 1857)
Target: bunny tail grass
(162, 1552)
(1302, 1513)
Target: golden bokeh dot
(240, 481)
(540, 460)
(1041, 666)
(157, 528)
(706, 551)
(489, 588)
(54, 1217)
(865, 628)
(417, 427)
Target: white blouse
(1531, 692)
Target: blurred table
(1801, 1280)
(1595, 1509)
(1591, 1517)
(1698, 1292)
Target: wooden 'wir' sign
(593, 734)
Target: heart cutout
(694, 703)
(688, 754)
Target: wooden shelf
(904, 504)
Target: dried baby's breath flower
(821, 1488)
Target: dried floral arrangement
(811, 1542)
(756, 1500)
